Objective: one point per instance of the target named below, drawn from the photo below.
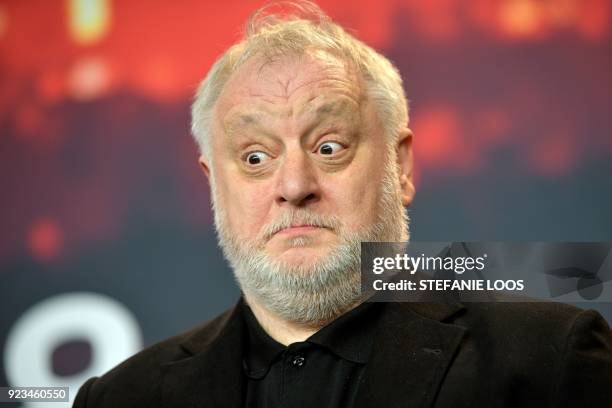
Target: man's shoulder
(534, 351)
(172, 348)
(138, 376)
(525, 311)
(516, 326)
(524, 336)
(527, 317)
(507, 311)
(521, 317)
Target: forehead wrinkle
(332, 70)
(337, 85)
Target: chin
(302, 256)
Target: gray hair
(308, 28)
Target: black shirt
(323, 371)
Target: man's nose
(297, 184)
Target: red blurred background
(79, 78)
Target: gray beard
(314, 294)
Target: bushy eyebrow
(241, 120)
(337, 109)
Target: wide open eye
(329, 148)
(255, 158)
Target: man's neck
(281, 330)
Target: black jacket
(424, 355)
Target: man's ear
(204, 166)
(404, 158)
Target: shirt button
(298, 361)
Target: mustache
(299, 217)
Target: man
(303, 137)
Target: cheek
(355, 196)
(361, 186)
(247, 205)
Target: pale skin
(299, 133)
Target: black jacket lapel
(410, 357)
(211, 375)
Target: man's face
(301, 173)
(297, 136)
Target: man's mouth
(299, 229)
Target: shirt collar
(261, 349)
(350, 337)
